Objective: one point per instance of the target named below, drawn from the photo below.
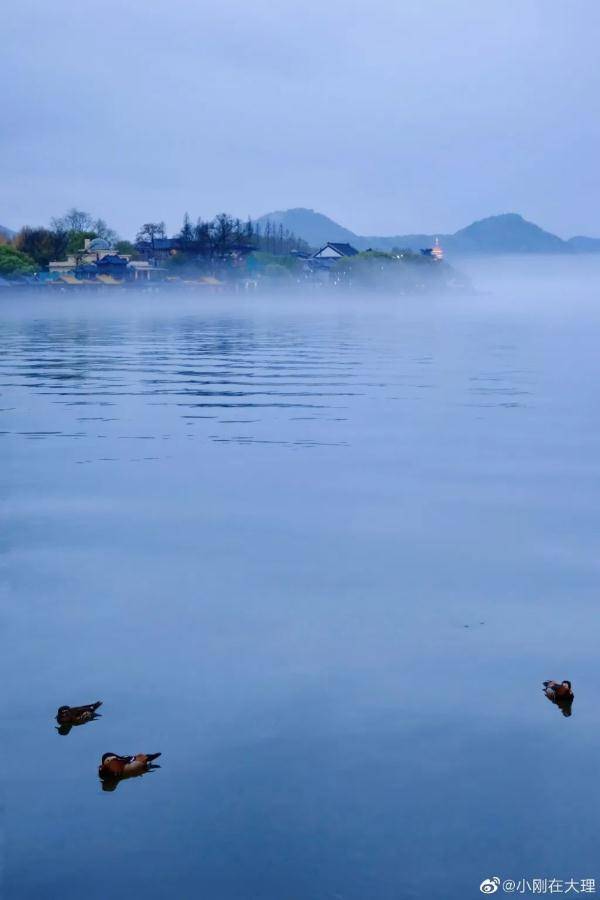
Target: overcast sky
(389, 116)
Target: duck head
(107, 756)
(112, 766)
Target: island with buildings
(223, 254)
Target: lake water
(321, 554)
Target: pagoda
(437, 251)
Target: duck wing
(140, 764)
(86, 708)
(114, 766)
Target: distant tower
(437, 251)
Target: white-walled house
(93, 250)
(333, 251)
(319, 267)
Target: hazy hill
(581, 244)
(313, 227)
(6, 232)
(507, 233)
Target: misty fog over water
(320, 554)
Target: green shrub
(13, 261)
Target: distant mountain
(507, 233)
(313, 227)
(6, 232)
(584, 244)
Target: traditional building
(113, 264)
(332, 251)
(436, 251)
(142, 270)
(94, 250)
(157, 251)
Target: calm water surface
(322, 556)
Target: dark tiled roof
(342, 249)
(112, 259)
(346, 249)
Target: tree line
(223, 235)
(33, 248)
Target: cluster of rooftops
(97, 262)
(98, 259)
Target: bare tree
(186, 235)
(73, 220)
(103, 231)
(150, 231)
(202, 237)
(223, 232)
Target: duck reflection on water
(114, 768)
(70, 716)
(561, 694)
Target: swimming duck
(561, 694)
(115, 768)
(67, 716)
